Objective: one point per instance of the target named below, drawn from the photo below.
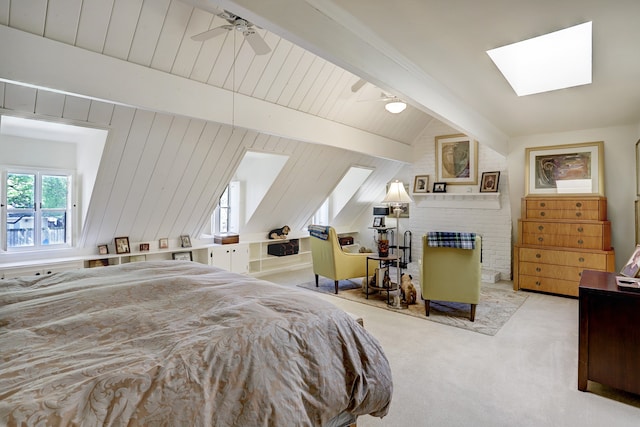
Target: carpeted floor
(497, 304)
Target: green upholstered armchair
(451, 274)
(329, 260)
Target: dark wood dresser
(609, 343)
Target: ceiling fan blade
(258, 44)
(358, 85)
(209, 34)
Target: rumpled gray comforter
(177, 343)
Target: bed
(178, 343)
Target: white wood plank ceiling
(161, 174)
(157, 34)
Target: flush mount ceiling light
(395, 107)
(553, 61)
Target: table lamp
(396, 197)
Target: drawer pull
(538, 269)
(37, 274)
(538, 283)
(538, 256)
(578, 205)
(580, 242)
(543, 204)
(581, 259)
(542, 213)
(540, 227)
(540, 239)
(578, 214)
(580, 229)
(580, 274)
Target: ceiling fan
(257, 43)
(392, 103)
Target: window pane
(54, 192)
(224, 220)
(19, 229)
(54, 227)
(224, 199)
(20, 191)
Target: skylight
(553, 61)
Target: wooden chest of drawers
(558, 238)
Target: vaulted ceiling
(433, 53)
(290, 86)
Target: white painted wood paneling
(62, 20)
(171, 36)
(20, 98)
(188, 51)
(28, 15)
(49, 103)
(76, 108)
(122, 27)
(147, 32)
(93, 26)
(100, 112)
(147, 219)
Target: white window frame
(37, 211)
(233, 210)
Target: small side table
(387, 260)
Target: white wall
(619, 177)
(18, 151)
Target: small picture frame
(163, 243)
(185, 241)
(377, 221)
(439, 187)
(489, 182)
(421, 184)
(122, 245)
(103, 249)
(632, 267)
(183, 256)
(144, 247)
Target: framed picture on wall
(565, 169)
(489, 182)
(163, 243)
(456, 160)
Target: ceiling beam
(35, 61)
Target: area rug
(497, 305)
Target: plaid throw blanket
(319, 231)
(449, 239)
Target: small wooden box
(225, 239)
(347, 240)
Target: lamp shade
(397, 193)
(395, 107)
